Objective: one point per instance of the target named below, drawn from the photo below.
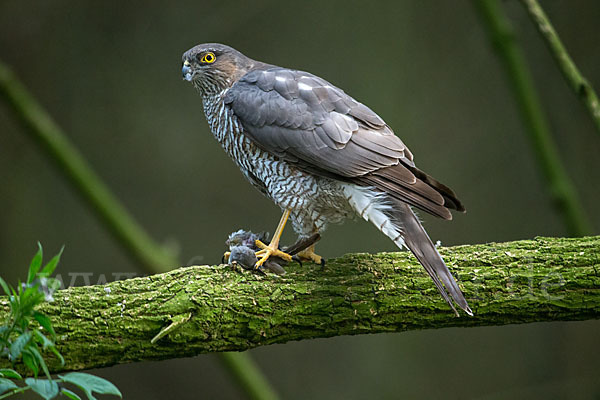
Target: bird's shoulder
(305, 119)
(301, 92)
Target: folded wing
(316, 126)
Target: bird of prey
(319, 154)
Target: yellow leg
(309, 254)
(272, 249)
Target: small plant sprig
(27, 333)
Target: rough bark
(203, 309)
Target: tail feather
(421, 246)
(397, 221)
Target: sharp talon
(260, 270)
(297, 259)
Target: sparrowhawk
(319, 154)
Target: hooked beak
(186, 71)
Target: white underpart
(371, 207)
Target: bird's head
(213, 67)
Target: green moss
(217, 308)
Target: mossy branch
(219, 308)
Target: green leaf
(35, 264)
(49, 268)
(43, 340)
(47, 343)
(33, 349)
(14, 299)
(6, 385)
(10, 373)
(5, 287)
(91, 383)
(44, 321)
(16, 348)
(48, 389)
(30, 297)
(58, 355)
(70, 394)
(30, 363)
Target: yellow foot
(268, 251)
(272, 249)
(309, 254)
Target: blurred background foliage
(109, 73)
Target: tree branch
(561, 187)
(581, 86)
(42, 128)
(206, 309)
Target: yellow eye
(208, 58)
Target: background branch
(223, 309)
(52, 140)
(581, 86)
(561, 188)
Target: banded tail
(397, 221)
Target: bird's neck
(216, 113)
(216, 83)
(212, 87)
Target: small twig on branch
(581, 86)
(219, 308)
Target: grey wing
(309, 122)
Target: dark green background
(110, 74)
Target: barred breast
(314, 201)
